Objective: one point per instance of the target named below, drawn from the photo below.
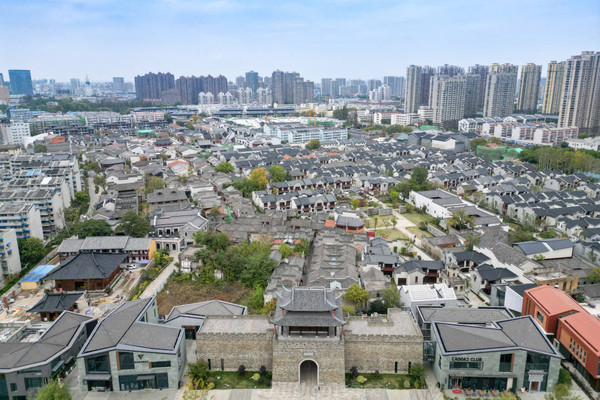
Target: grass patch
(189, 291)
(382, 220)
(418, 232)
(390, 234)
(382, 381)
(231, 380)
(417, 218)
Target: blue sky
(329, 38)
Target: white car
(131, 267)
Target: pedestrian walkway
(157, 284)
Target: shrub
(268, 383)
(376, 373)
(361, 379)
(198, 371)
(262, 370)
(564, 378)
(242, 370)
(354, 372)
(261, 380)
(406, 384)
(256, 377)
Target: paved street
(156, 285)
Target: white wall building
(301, 134)
(10, 262)
(592, 143)
(438, 294)
(15, 132)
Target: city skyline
(105, 38)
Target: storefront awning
(97, 377)
(144, 377)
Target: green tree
(225, 167)
(198, 370)
(377, 307)
(100, 180)
(154, 183)
(54, 390)
(278, 173)
(461, 220)
(519, 234)
(419, 175)
(561, 392)
(391, 295)
(302, 247)
(31, 251)
(258, 177)
(285, 250)
(134, 225)
(246, 186)
(40, 148)
(357, 295)
(478, 141)
(472, 241)
(169, 118)
(564, 378)
(190, 125)
(256, 301)
(213, 241)
(594, 276)
(81, 200)
(313, 144)
(495, 140)
(91, 227)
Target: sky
(62, 39)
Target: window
(466, 365)
(13, 387)
(126, 360)
(55, 362)
(540, 317)
(160, 364)
(33, 383)
(98, 364)
(505, 363)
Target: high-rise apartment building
(189, 87)
(529, 86)
(291, 88)
(413, 89)
(150, 87)
(118, 84)
(20, 81)
(552, 90)
(450, 70)
(482, 71)
(448, 93)
(396, 84)
(4, 92)
(500, 89)
(580, 102)
(374, 84)
(326, 87)
(472, 92)
(426, 76)
(252, 80)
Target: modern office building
(151, 86)
(529, 86)
(553, 88)
(129, 350)
(510, 354)
(20, 81)
(500, 89)
(580, 102)
(412, 99)
(26, 365)
(448, 93)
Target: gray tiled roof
(88, 266)
(121, 328)
(53, 302)
(481, 315)
(54, 341)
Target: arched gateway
(309, 373)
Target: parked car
(131, 267)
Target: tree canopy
(357, 295)
(154, 183)
(258, 177)
(278, 173)
(461, 220)
(54, 390)
(134, 225)
(565, 159)
(417, 182)
(594, 276)
(225, 167)
(31, 251)
(91, 227)
(313, 144)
